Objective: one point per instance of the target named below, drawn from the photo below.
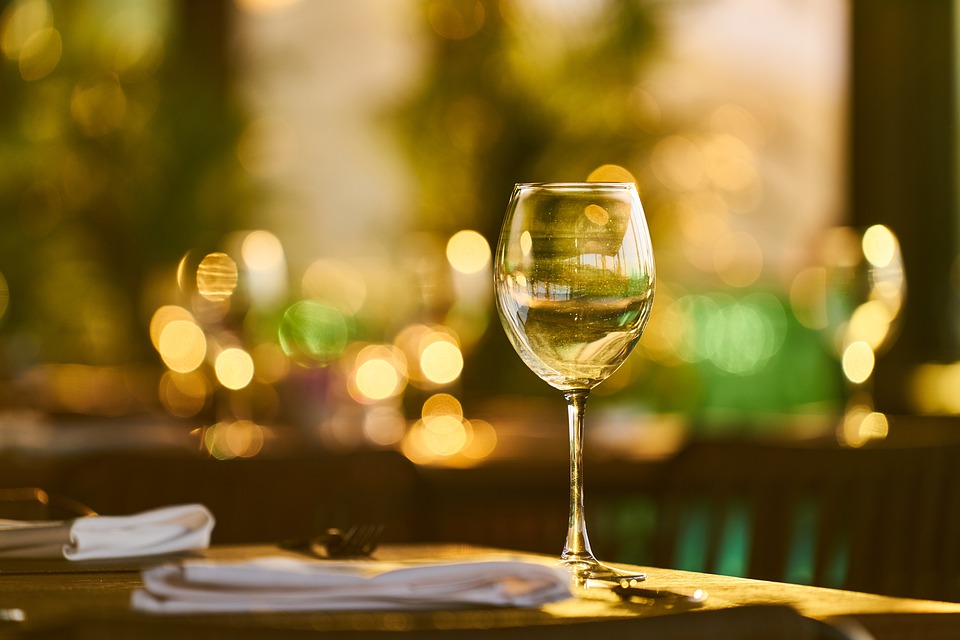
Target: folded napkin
(290, 584)
(159, 531)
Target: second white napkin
(160, 531)
(288, 584)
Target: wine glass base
(590, 573)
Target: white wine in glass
(574, 279)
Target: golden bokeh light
(20, 21)
(182, 345)
(441, 361)
(238, 439)
(217, 276)
(611, 173)
(444, 435)
(164, 316)
(468, 251)
(184, 394)
(40, 54)
(880, 246)
(596, 214)
(377, 379)
(262, 251)
(861, 424)
(870, 323)
(234, 368)
(482, 442)
(933, 389)
(441, 404)
(380, 372)
(526, 243)
(858, 362)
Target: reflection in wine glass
(574, 280)
(855, 296)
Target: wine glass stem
(577, 548)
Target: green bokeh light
(312, 331)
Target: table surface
(91, 599)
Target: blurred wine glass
(855, 296)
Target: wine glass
(574, 279)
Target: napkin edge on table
(154, 532)
(230, 587)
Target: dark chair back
(884, 520)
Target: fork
(358, 541)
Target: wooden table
(41, 599)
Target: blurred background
(259, 231)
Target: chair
(883, 520)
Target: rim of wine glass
(574, 185)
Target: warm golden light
(730, 163)
(526, 244)
(678, 163)
(261, 251)
(807, 293)
(164, 316)
(858, 361)
(184, 394)
(335, 282)
(596, 214)
(441, 361)
(441, 404)
(264, 6)
(456, 19)
(40, 54)
(934, 388)
(610, 173)
(738, 259)
(270, 363)
(100, 108)
(234, 368)
(861, 424)
(4, 295)
(380, 372)
(238, 439)
(217, 276)
(268, 147)
(20, 21)
(468, 252)
(482, 442)
(870, 323)
(384, 426)
(444, 435)
(377, 379)
(879, 246)
(182, 345)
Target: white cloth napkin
(290, 584)
(158, 531)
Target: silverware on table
(357, 541)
